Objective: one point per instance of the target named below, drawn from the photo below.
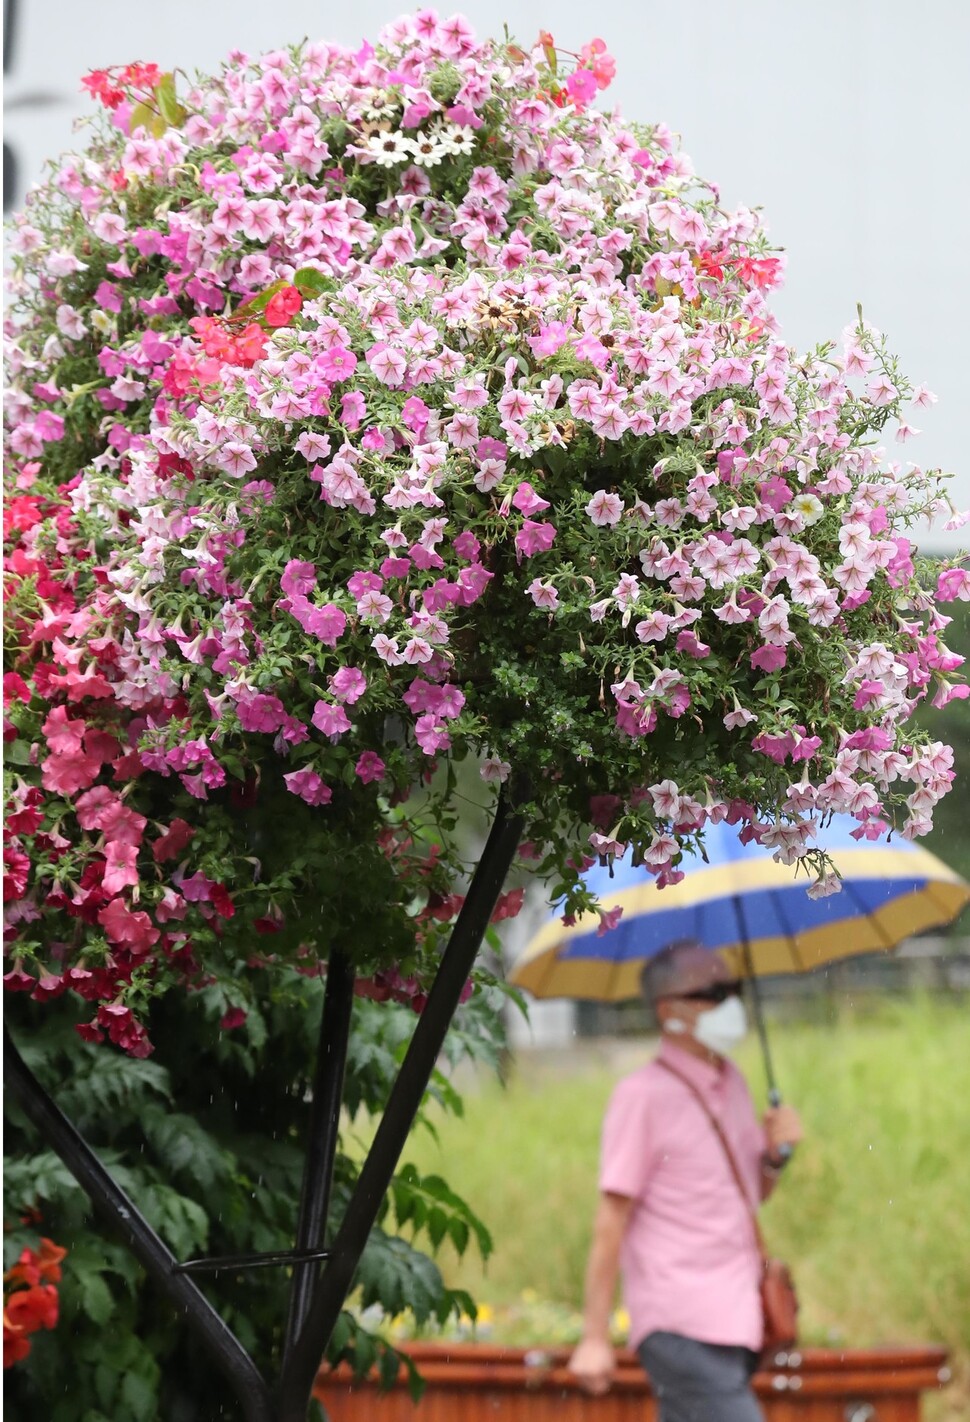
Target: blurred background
(847, 122)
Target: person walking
(670, 1216)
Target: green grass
(872, 1213)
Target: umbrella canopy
(748, 907)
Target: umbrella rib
(792, 937)
(948, 913)
(888, 942)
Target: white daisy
(380, 107)
(456, 139)
(428, 152)
(388, 149)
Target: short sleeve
(756, 1140)
(628, 1148)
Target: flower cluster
(30, 1299)
(371, 411)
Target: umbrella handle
(785, 1152)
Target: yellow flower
(486, 1314)
(620, 1321)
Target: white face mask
(720, 1028)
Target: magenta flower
(121, 869)
(527, 501)
(329, 719)
(337, 363)
(327, 623)
(298, 577)
(953, 583)
(581, 86)
(369, 767)
(531, 538)
(348, 684)
(261, 712)
(769, 659)
(309, 786)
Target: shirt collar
(704, 1075)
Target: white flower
(809, 507)
(380, 108)
(824, 887)
(455, 139)
(495, 769)
(428, 152)
(388, 149)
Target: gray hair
(662, 974)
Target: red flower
(16, 1345)
(283, 306)
(51, 1255)
(16, 869)
(135, 930)
(508, 905)
(19, 981)
(172, 841)
(31, 1309)
(221, 902)
(24, 817)
(15, 688)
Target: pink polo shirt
(689, 1260)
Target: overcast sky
(847, 121)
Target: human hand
(783, 1128)
(593, 1363)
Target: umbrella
(754, 911)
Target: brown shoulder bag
(779, 1301)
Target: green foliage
(206, 1137)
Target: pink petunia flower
(309, 786)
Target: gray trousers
(699, 1382)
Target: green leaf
(257, 304)
(364, 1353)
(398, 1277)
(169, 106)
(185, 1148)
(139, 1396)
(141, 117)
(388, 1367)
(416, 1383)
(96, 1298)
(310, 283)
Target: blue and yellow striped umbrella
(746, 906)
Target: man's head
(686, 984)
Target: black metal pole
(328, 1087)
(111, 1202)
(405, 1098)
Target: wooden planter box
(470, 1382)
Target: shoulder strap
(719, 1132)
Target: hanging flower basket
(373, 411)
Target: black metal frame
(316, 1295)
